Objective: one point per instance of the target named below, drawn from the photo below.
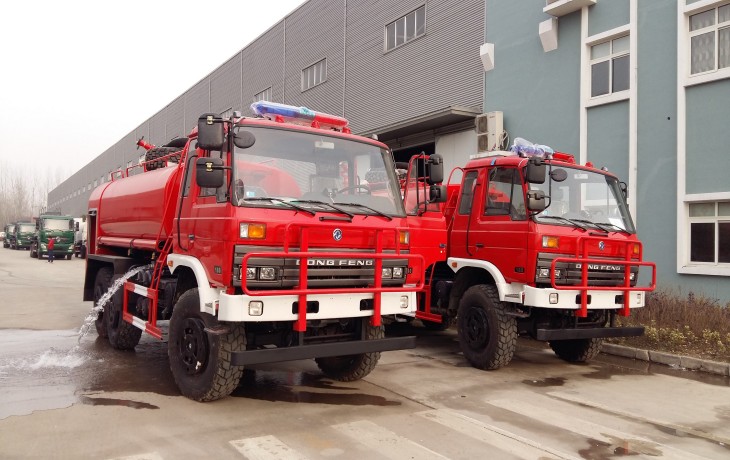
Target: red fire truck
(265, 239)
(525, 245)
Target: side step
(588, 333)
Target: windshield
(289, 169)
(56, 224)
(26, 228)
(585, 198)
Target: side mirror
(535, 173)
(210, 132)
(435, 169)
(624, 189)
(536, 200)
(437, 194)
(209, 172)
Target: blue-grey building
(643, 88)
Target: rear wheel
(101, 285)
(200, 361)
(577, 350)
(122, 335)
(487, 336)
(353, 367)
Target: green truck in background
(59, 227)
(8, 229)
(22, 235)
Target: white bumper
(566, 299)
(331, 306)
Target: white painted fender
(209, 296)
(508, 292)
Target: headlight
(252, 231)
(250, 273)
(398, 272)
(632, 276)
(267, 273)
(387, 273)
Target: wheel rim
(477, 328)
(193, 349)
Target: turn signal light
(253, 231)
(405, 237)
(550, 242)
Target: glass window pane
(723, 248)
(621, 74)
(600, 51)
(703, 53)
(698, 21)
(390, 36)
(411, 26)
(621, 45)
(702, 242)
(723, 48)
(702, 210)
(467, 193)
(723, 14)
(400, 31)
(599, 78)
(420, 20)
(324, 70)
(723, 208)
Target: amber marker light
(252, 231)
(550, 242)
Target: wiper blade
(621, 229)
(563, 219)
(358, 205)
(590, 222)
(277, 200)
(336, 208)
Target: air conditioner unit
(490, 127)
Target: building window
(405, 28)
(610, 66)
(709, 230)
(265, 95)
(709, 36)
(314, 75)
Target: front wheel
(200, 361)
(102, 283)
(577, 350)
(122, 335)
(353, 367)
(487, 335)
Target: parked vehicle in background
(9, 234)
(2, 236)
(59, 227)
(80, 237)
(23, 235)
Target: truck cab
(22, 237)
(58, 227)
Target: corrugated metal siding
(225, 86)
(437, 70)
(197, 102)
(263, 66)
(312, 34)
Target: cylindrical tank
(137, 207)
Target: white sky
(78, 75)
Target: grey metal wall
(371, 87)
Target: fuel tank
(139, 207)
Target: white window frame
(264, 95)
(702, 268)
(402, 22)
(686, 54)
(598, 39)
(314, 74)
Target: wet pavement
(82, 399)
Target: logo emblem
(337, 234)
(601, 245)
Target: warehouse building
(649, 103)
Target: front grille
(600, 274)
(326, 272)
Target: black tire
(33, 254)
(577, 350)
(102, 283)
(353, 367)
(487, 336)
(158, 152)
(82, 253)
(68, 256)
(200, 361)
(121, 334)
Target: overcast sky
(78, 75)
